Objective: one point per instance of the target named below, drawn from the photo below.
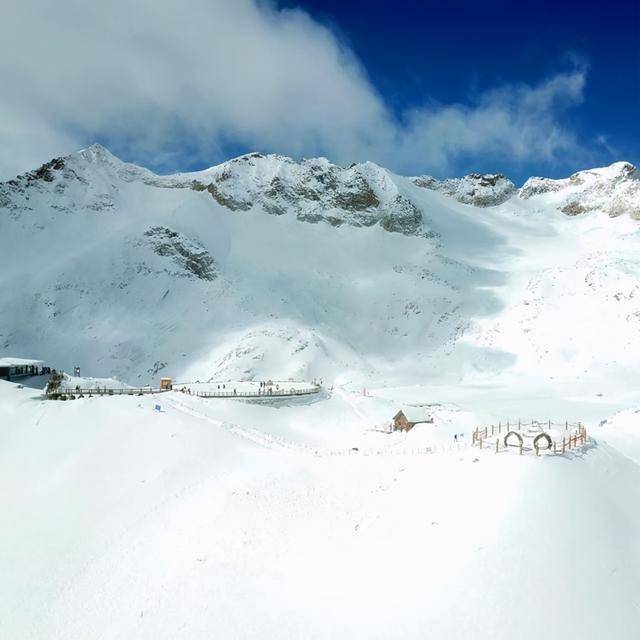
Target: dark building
(16, 368)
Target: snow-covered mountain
(172, 515)
(264, 266)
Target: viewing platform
(60, 388)
(253, 389)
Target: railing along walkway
(64, 394)
(279, 393)
(72, 394)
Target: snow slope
(263, 267)
(125, 522)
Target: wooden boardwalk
(268, 394)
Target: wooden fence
(574, 435)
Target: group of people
(267, 388)
(264, 388)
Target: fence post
(521, 448)
(519, 424)
(481, 443)
(566, 425)
(497, 444)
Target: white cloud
(154, 79)
(518, 122)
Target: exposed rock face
(314, 191)
(479, 190)
(614, 190)
(403, 217)
(573, 208)
(538, 186)
(188, 254)
(225, 201)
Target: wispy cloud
(157, 80)
(518, 122)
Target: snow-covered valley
(302, 517)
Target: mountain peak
(614, 189)
(97, 154)
(623, 166)
(615, 171)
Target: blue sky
(417, 51)
(432, 86)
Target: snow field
(128, 522)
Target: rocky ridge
(314, 190)
(615, 190)
(478, 190)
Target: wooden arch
(513, 433)
(544, 436)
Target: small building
(15, 368)
(409, 417)
(166, 384)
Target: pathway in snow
(255, 436)
(269, 441)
